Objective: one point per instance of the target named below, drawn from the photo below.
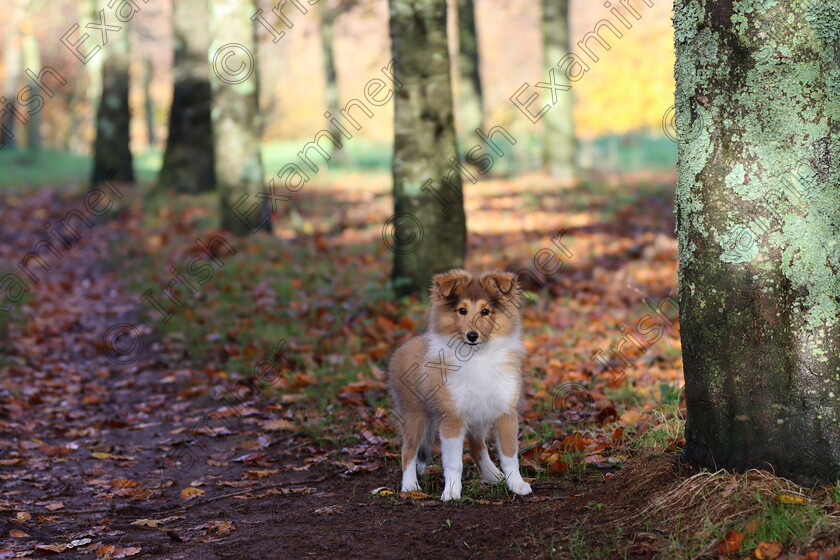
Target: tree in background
(470, 110)
(32, 61)
(188, 164)
(559, 137)
(236, 120)
(329, 14)
(111, 148)
(424, 140)
(13, 74)
(757, 196)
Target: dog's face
(475, 310)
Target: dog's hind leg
(413, 450)
(481, 457)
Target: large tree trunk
(758, 193)
(559, 136)
(111, 149)
(188, 161)
(237, 125)
(470, 111)
(428, 232)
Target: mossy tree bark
(236, 120)
(424, 140)
(112, 146)
(470, 109)
(188, 161)
(758, 193)
(559, 137)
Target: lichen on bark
(756, 86)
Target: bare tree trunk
(13, 65)
(758, 192)
(237, 124)
(188, 164)
(331, 93)
(470, 107)
(560, 144)
(112, 152)
(148, 103)
(32, 61)
(426, 209)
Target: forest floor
(125, 436)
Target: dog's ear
(446, 284)
(499, 283)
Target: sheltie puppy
(462, 377)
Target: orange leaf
(768, 550)
(617, 434)
(573, 442)
(190, 493)
(414, 495)
(790, 499)
(731, 543)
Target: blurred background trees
(188, 163)
(143, 102)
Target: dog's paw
(410, 487)
(519, 487)
(452, 492)
(491, 474)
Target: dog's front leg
(507, 442)
(452, 434)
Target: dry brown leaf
(731, 543)
(279, 424)
(18, 533)
(190, 493)
(52, 506)
(57, 548)
(414, 495)
(768, 550)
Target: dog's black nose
(472, 336)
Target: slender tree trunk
(112, 151)
(32, 61)
(758, 192)
(13, 70)
(331, 93)
(237, 125)
(188, 164)
(87, 12)
(426, 209)
(148, 102)
(559, 137)
(470, 113)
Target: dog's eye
(485, 311)
(462, 310)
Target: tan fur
(452, 291)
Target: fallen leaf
(190, 493)
(52, 506)
(768, 550)
(17, 533)
(791, 499)
(731, 543)
(330, 510)
(414, 495)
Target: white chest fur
(486, 383)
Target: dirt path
(99, 459)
